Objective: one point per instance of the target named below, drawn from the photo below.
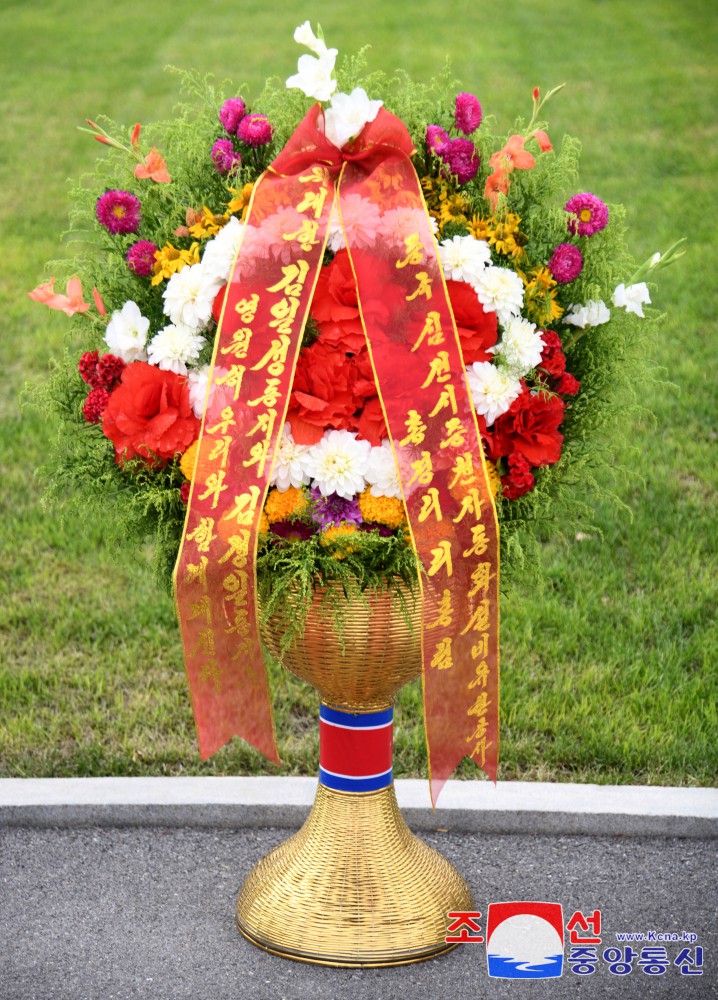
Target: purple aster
(467, 113)
(436, 137)
(461, 158)
(566, 263)
(334, 509)
(292, 531)
(224, 156)
(141, 258)
(591, 214)
(231, 113)
(119, 212)
(255, 130)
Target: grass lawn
(609, 666)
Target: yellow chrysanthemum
(480, 229)
(169, 260)
(339, 531)
(383, 510)
(188, 460)
(208, 224)
(240, 202)
(281, 506)
(453, 209)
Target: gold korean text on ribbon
(420, 375)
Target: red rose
(478, 330)
(553, 360)
(519, 479)
(322, 393)
(530, 426)
(149, 414)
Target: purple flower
(436, 137)
(461, 158)
(334, 509)
(467, 113)
(119, 212)
(224, 156)
(292, 531)
(381, 529)
(255, 130)
(566, 263)
(141, 258)
(591, 214)
(231, 113)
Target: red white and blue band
(355, 751)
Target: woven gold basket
(354, 887)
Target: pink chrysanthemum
(224, 156)
(436, 137)
(255, 130)
(231, 113)
(461, 158)
(591, 214)
(95, 405)
(467, 113)
(119, 212)
(566, 263)
(141, 258)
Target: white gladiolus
(492, 390)
(314, 73)
(632, 298)
(590, 314)
(126, 333)
(348, 114)
(174, 347)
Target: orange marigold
(382, 510)
(188, 460)
(281, 506)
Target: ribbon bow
(418, 368)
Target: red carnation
(530, 426)
(478, 330)
(149, 414)
(553, 360)
(335, 307)
(95, 405)
(184, 492)
(568, 386)
(322, 393)
(371, 425)
(519, 479)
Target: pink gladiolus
(101, 307)
(69, 304)
(536, 93)
(102, 138)
(543, 140)
(154, 168)
(135, 137)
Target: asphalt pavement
(114, 913)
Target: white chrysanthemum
(591, 314)
(197, 379)
(338, 464)
(463, 258)
(520, 347)
(500, 290)
(126, 333)
(492, 390)
(189, 296)
(382, 472)
(632, 298)
(348, 114)
(174, 347)
(220, 252)
(362, 220)
(289, 467)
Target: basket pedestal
(354, 887)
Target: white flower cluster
(339, 463)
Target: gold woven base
(354, 887)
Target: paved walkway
(147, 912)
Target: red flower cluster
(149, 414)
(334, 384)
(478, 330)
(102, 374)
(527, 435)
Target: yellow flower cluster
(503, 234)
(208, 224)
(263, 522)
(540, 303)
(169, 260)
(282, 506)
(240, 201)
(339, 531)
(188, 460)
(382, 510)
(494, 478)
(444, 205)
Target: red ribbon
(419, 371)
